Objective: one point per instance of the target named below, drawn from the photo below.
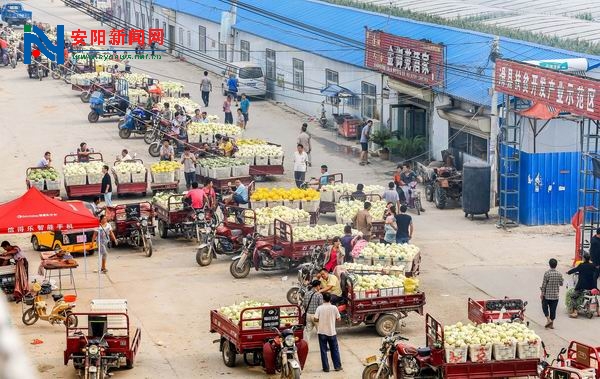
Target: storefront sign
(404, 58)
(566, 93)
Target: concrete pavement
(170, 296)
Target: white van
(251, 80)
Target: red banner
(565, 92)
(404, 58)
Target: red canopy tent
(36, 212)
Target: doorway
(171, 38)
(408, 121)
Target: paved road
(169, 295)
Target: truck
(14, 14)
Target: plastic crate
(262, 161)
(294, 204)
(529, 350)
(259, 204)
(194, 138)
(109, 306)
(94, 178)
(123, 178)
(138, 177)
(456, 354)
(251, 160)
(480, 353)
(363, 260)
(219, 172)
(504, 352)
(264, 229)
(52, 185)
(37, 184)
(240, 170)
(328, 196)
(206, 138)
(76, 180)
(163, 177)
(275, 161)
(310, 205)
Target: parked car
(251, 79)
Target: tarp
(540, 111)
(333, 90)
(36, 212)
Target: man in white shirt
(46, 161)
(205, 88)
(300, 165)
(326, 315)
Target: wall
(439, 128)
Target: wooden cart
(134, 186)
(82, 190)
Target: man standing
(245, 107)
(347, 244)
(205, 88)
(189, 167)
(312, 300)
(83, 153)
(103, 236)
(365, 135)
(46, 161)
(232, 87)
(326, 315)
(106, 186)
(595, 251)
(550, 288)
(300, 165)
(324, 179)
(363, 221)
(404, 224)
(391, 195)
(304, 140)
(359, 194)
(227, 110)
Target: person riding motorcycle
(3, 48)
(585, 282)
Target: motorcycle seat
(57, 297)
(236, 232)
(277, 248)
(424, 351)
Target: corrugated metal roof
(468, 67)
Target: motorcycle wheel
(93, 117)
(30, 317)
(418, 205)
(292, 295)
(370, 372)
(440, 197)
(149, 136)
(67, 78)
(237, 272)
(204, 256)
(85, 96)
(228, 351)
(55, 75)
(71, 320)
(429, 193)
(162, 229)
(148, 249)
(290, 372)
(13, 63)
(40, 74)
(124, 133)
(154, 149)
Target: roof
(467, 52)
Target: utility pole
(231, 37)
(495, 126)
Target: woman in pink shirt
(334, 253)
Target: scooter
(96, 86)
(114, 106)
(306, 273)
(62, 312)
(285, 354)
(136, 121)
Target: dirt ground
(169, 295)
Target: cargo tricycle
(399, 360)
(496, 310)
(180, 218)
(46, 186)
(82, 186)
(278, 252)
(269, 336)
(130, 183)
(578, 361)
(101, 341)
(134, 224)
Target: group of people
(243, 108)
(587, 272)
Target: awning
(480, 123)
(36, 212)
(416, 92)
(540, 111)
(333, 90)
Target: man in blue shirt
(245, 106)
(232, 87)
(240, 195)
(324, 175)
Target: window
(137, 19)
(368, 99)
(244, 51)
(467, 143)
(180, 36)
(222, 49)
(331, 77)
(298, 74)
(280, 80)
(271, 64)
(144, 24)
(156, 25)
(251, 73)
(201, 39)
(128, 12)
(165, 32)
(189, 33)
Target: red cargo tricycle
(133, 224)
(399, 360)
(100, 342)
(496, 310)
(269, 336)
(578, 361)
(278, 252)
